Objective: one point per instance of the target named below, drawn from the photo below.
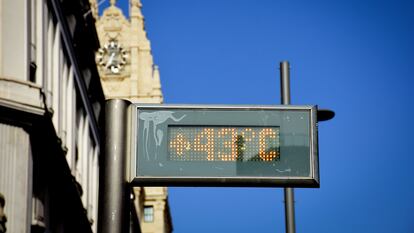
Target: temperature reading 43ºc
(216, 143)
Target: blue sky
(355, 57)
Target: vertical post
(114, 188)
(289, 194)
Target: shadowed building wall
(51, 102)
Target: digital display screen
(218, 143)
(205, 145)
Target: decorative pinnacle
(136, 3)
(113, 2)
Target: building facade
(127, 71)
(51, 116)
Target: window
(148, 213)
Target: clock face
(112, 57)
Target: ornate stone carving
(138, 79)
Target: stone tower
(125, 62)
(127, 71)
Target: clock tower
(125, 62)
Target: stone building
(127, 71)
(51, 103)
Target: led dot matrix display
(200, 143)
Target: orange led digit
(204, 142)
(228, 136)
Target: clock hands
(111, 58)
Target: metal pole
(289, 194)
(114, 188)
